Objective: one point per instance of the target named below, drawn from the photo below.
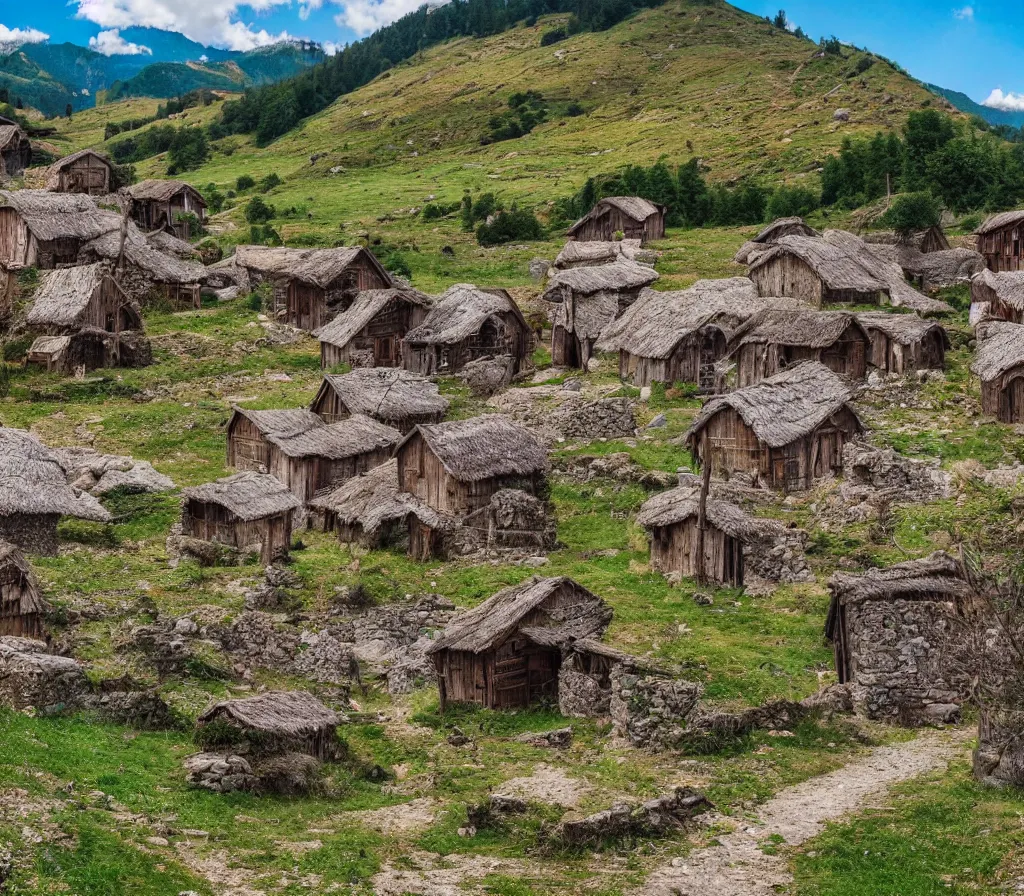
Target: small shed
(43, 230)
(901, 343)
(85, 171)
(672, 519)
(999, 365)
(629, 216)
(590, 253)
(85, 349)
(167, 205)
(785, 431)
(15, 149)
(889, 627)
(399, 398)
(248, 512)
(248, 434)
(370, 332)
(464, 324)
(312, 285)
(999, 295)
(34, 495)
(322, 456)
(933, 239)
(367, 509)
(775, 339)
(793, 226)
(587, 299)
(22, 608)
(276, 722)
(507, 652)
(817, 272)
(70, 299)
(999, 240)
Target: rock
(651, 818)
(593, 364)
(645, 393)
(221, 773)
(535, 562)
(560, 737)
(658, 422)
(701, 599)
(100, 474)
(30, 676)
(607, 418)
(458, 739)
(539, 268)
(572, 385)
(841, 115)
(501, 804)
(485, 376)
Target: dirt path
(736, 866)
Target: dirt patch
(404, 818)
(547, 784)
(217, 867)
(429, 875)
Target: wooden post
(702, 507)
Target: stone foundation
(651, 711)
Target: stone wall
(898, 661)
(868, 470)
(651, 711)
(778, 559)
(580, 696)
(607, 418)
(34, 533)
(31, 677)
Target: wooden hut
(591, 253)
(999, 240)
(672, 519)
(368, 509)
(775, 339)
(85, 171)
(15, 149)
(34, 495)
(933, 239)
(249, 431)
(22, 608)
(682, 336)
(464, 324)
(888, 629)
(398, 398)
(1000, 296)
(370, 332)
(587, 299)
(785, 431)
(167, 205)
(43, 230)
(901, 343)
(455, 468)
(274, 723)
(506, 653)
(817, 272)
(312, 285)
(629, 216)
(771, 234)
(322, 456)
(1000, 367)
(248, 512)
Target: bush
(269, 182)
(911, 212)
(509, 226)
(189, 149)
(789, 202)
(432, 211)
(574, 109)
(395, 263)
(244, 182)
(259, 212)
(552, 37)
(16, 349)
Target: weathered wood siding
(211, 522)
(18, 247)
(309, 307)
(893, 357)
(329, 407)
(605, 226)
(1003, 398)
(500, 335)
(847, 356)
(89, 174)
(674, 550)
(153, 214)
(379, 343)
(692, 361)
(247, 448)
(788, 275)
(1002, 248)
(14, 586)
(305, 476)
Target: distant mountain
(965, 104)
(50, 76)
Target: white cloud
(19, 36)
(966, 13)
(1008, 102)
(366, 16)
(204, 58)
(110, 43)
(308, 6)
(330, 47)
(212, 22)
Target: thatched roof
(32, 481)
(284, 422)
(594, 252)
(784, 407)
(367, 305)
(837, 269)
(632, 206)
(320, 267)
(12, 137)
(51, 216)
(489, 625)
(680, 504)
(780, 227)
(805, 328)
(386, 393)
(163, 191)
(459, 312)
(53, 346)
(370, 500)
(169, 244)
(282, 713)
(63, 295)
(482, 447)
(249, 496)
(999, 221)
(140, 254)
(619, 276)
(657, 322)
(53, 172)
(904, 329)
(335, 441)
(1006, 287)
(31, 597)
(1000, 348)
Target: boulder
(31, 677)
(485, 376)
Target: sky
(966, 46)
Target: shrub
(552, 37)
(508, 226)
(910, 212)
(574, 109)
(395, 262)
(269, 182)
(788, 202)
(189, 149)
(258, 212)
(16, 349)
(244, 182)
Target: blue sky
(973, 47)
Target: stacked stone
(221, 773)
(651, 711)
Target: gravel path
(736, 866)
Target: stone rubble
(99, 474)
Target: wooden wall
(152, 214)
(88, 174)
(305, 476)
(14, 585)
(893, 357)
(1002, 248)
(847, 356)
(247, 448)
(211, 522)
(331, 409)
(380, 340)
(692, 361)
(18, 246)
(674, 549)
(500, 335)
(1003, 398)
(787, 275)
(309, 307)
(612, 221)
